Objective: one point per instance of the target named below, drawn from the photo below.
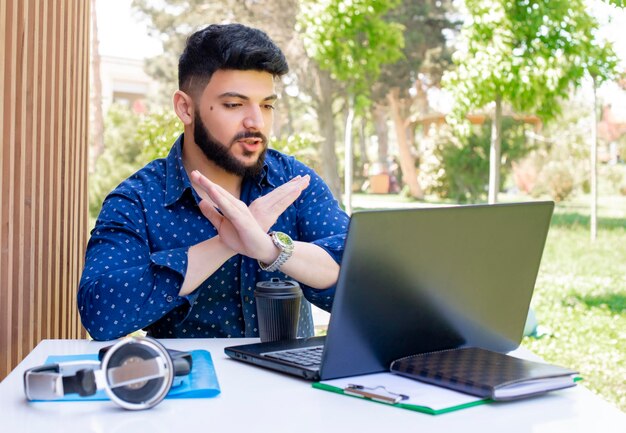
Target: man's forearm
(311, 265)
(203, 260)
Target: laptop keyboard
(306, 356)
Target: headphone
(136, 373)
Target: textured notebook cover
(478, 371)
(200, 383)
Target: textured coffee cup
(278, 309)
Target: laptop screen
(426, 279)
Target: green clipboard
(401, 392)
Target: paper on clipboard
(402, 392)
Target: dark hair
(227, 46)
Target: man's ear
(184, 107)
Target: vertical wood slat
(4, 51)
(44, 82)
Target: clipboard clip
(377, 393)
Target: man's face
(233, 119)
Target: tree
(425, 55)
(527, 54)
(351, 40)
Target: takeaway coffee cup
(278, 309)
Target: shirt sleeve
(124, 286)
(322, 222)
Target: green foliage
(458, 166)
(351, 39)
(118, 160)
(130, 141)
(580, 302)
(618, 3)
(156, 132)
(424, 48)
(303, 147)
(528, 52)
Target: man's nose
(254, 119)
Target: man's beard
(220, 154)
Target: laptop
(421, 280)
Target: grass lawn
(580, 295)
(580, 298)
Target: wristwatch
(285, 244)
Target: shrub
(614, 176)
(557, 180)
(130, 141)
(457, 167)
(301, 146)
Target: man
(179, 246)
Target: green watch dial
(283, 239)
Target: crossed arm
(243, 230)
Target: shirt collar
(273, 173)
(177, 180)
(266, 177)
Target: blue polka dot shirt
(136, 258)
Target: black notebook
(484, 373)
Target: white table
(258, 400)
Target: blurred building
(124, 81)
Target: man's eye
(268, 106)
(231, 104)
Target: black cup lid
(277, 287)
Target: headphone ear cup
(142, 387)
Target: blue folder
(200, 383)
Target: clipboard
(401, 392)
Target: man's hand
(268, 208)
(244, 229)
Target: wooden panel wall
(44, 91)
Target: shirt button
(246, 298)
(169, 298)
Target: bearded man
(179, 246)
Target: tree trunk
(283, 123)
(348, 152)
(407, 160)
(379, 117)
(594, 167)
(97, 133)
(494, 152)
(363, 157)
(326, 120)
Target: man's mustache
(250, 134)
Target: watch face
(283, 238)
